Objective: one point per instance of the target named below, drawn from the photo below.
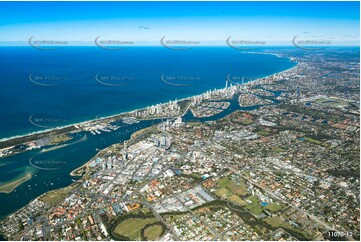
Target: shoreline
(11, 186)
(112, 116)
(118, 115)
(85, 165)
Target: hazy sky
(201, 21)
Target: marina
(85, 150)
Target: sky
(207, 22)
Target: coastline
(11, 186)
(72, 127)
(84, 166)
(72, 173)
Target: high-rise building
(125, 151)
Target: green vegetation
(332, 102)
(59, 138)
(277, 149)
(238, 189)
(20, 226)
(237, 200)
(131, 227)
(144, 210)
(195, 176)
(223, 192)
(313, 140)
(137, 227)
(55, 197)
(314, 113)
(153, 232)
(255, 207)
(277, 222)
(280, 222)
(263, 133)
(224, 181)
(275, 207)
(232, 192)
(24, 139)
(246, 121)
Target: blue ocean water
(70, 92)
(78, 151)
(75, 84)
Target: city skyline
(180, 121)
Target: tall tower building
(125, 151)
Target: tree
(20, 226)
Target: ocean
(81, 83)
(73, 84)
